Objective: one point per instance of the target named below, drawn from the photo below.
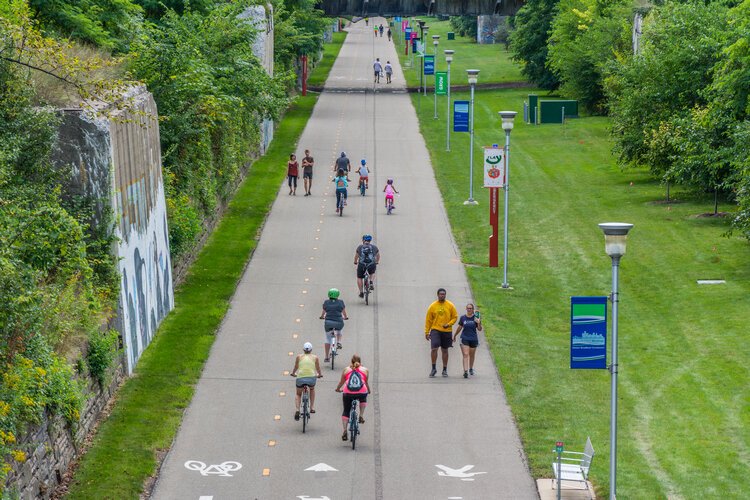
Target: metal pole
(435, 78)
(506, 188)
(448, 113)
(471, 149)
(613, 370)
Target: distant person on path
(292, 171)
(381, 31)
(389, 190)
(376, 31)
(366, 256)
(343, 163)
(378, 68)
(341, 184)
(468, 326)
(334, 314)
(355, 386)
(307, 171)
(364, 173)
(438, 329)
(388, 71)
(367, 21)
(307, 370)
(389, 34)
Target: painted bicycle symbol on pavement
(222, 469)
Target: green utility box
(557, 111)
(451, 35)
(533, 103)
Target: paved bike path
(242, 409)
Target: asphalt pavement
(424, 438)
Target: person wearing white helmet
(307, 370)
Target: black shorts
(361, 269)
(441, 339)
(348, 398)
(307, 175)
(470, 343)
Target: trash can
(451, 35)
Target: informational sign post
(429, 64)
(588, 332)
(441, 82)
(494, 168)
(460, 116)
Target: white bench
(574, 465)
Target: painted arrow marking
(463, 473)
(321, 467)
(305, 497)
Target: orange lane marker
(266, 472)
(285, 372)
(277, 417)
(282, 393)
(291, 353)
(271, 443)
(294, 335)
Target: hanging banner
(429, 65)
(588, 332)
(494, 168)
(461, 116)
(405, 28)
(441, 82)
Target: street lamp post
(448, 60)
(473, 75)
(435, 39)
(615, 236)
(508, 117)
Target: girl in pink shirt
(389, 190)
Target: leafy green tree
(585, 37)
(298, 30)
(529, 41)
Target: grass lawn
(150, 405)
(330, 51)
(493, 61)
(684, 414)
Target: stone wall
(52, 446)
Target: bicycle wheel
(362, 188)
(305, 409)
(341, 207)
(353, 425)
(367, 289)
(333, 355)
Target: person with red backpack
(355, 386)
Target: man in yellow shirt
(438, 329)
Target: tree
(529, 42)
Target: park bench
(574, 465)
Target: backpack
(355, 382)
(365, 254)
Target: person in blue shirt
(341, 184)
(468, 325)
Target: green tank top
(306, 366)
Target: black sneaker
(471, 371)
(296, 415)
(338, 346)
(433, 372)
(361, 294)
(466, 374)
(327, 360)
(445, 372)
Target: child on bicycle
(341, 184)
(389, 189)
(364, 174)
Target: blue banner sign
(407, 34)
(429, 65)
(460, 116)
(398, 20)
(588, 332)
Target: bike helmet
(343, 154)
(307, 347)
(367, 237)
(390, 181)
(362, 161)
(333, 293)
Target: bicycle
(362, 187)
(389, 205)
(366, 286)
(305, 407)
(334, 346)
(354, 423)
(340, 205)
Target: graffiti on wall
(146, 292)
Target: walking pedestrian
(388, 71)
(354, 383)
(438, 329)
(468, 326)
(381, 31)
(377, 68)
(389, 34)
(307, 171)
(292, 171)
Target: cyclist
(389, 189)
(307, 370)
(342, 162)
(355, 386)
(334, 312)
(341, 184)
(366, 256)
(364, 173)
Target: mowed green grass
(493, 61)
(684, 360)
(330, 52)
